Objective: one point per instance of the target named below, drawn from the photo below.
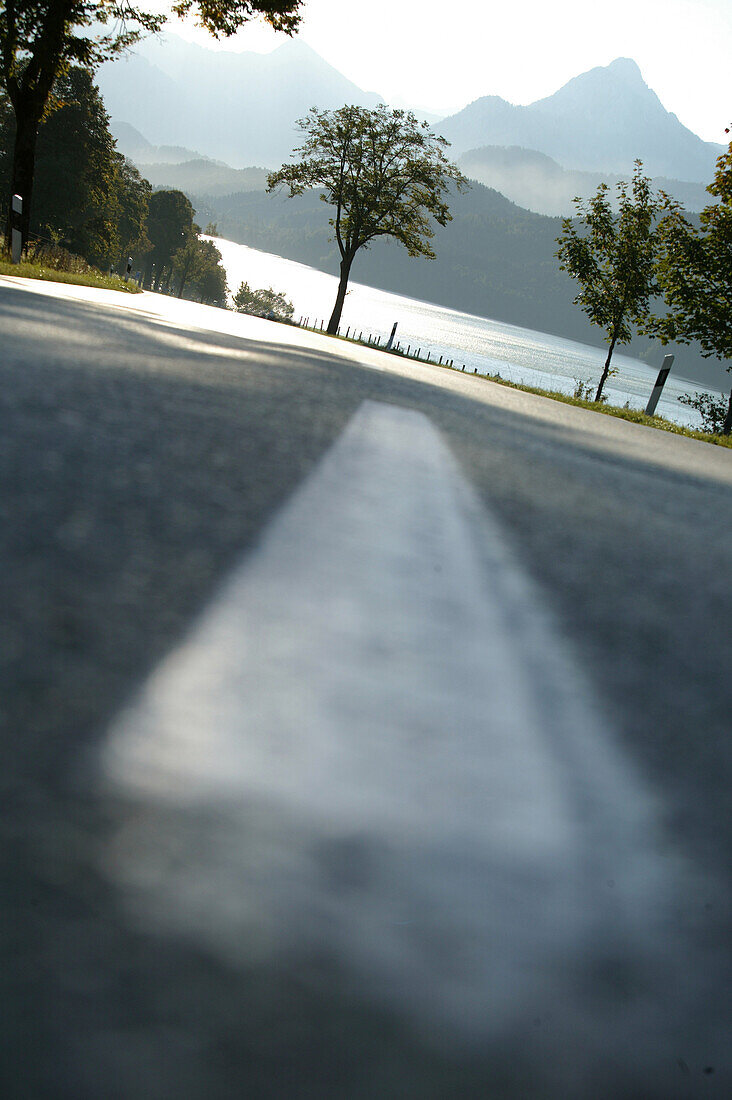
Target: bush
(53, 263)
(263, 303)
(57, 258)
(712, 409)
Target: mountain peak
(624, 66)
(621, 82)
(601, 120)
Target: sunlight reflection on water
(517, 354)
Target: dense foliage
(385, 174)
(225, 17)
(612, 257)
(88, 198)
(170, 227)
(197, 267)
(93, 204)
(695, 271)
(263, 302)
(715, 410)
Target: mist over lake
(490, 347)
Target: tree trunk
(21, 177)
(606, 368)
(727, 426)
(184, 278)
(335, 317)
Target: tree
(198, 265)
(695, 271)
(263, 302)
(185, 263)
(87, 197)
(133, 193)
(695, 275)
(41, 39)
(612, 256)
(170, 227)
(209, 283)
(385, 173)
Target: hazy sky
(440, 56)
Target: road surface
(366, 725)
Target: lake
(478, 343)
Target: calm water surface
(491, 347)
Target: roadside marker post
(390, 341)
(16, 233)
(660, 383)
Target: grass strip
(41, 271)
(636, 416)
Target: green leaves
(612, 255)
(197, 268)
(385, 173)
(695, 271)
(225, 17)
(263, 302)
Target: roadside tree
(133, 193)
(695, 271)
(197, 265)
(41, 39)
(87, 197)
(385, 173)
(612, 256)
(695, 275)
(170, 228)
(210, 282)
(263, 302)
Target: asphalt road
(143, 460)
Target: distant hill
(599, 121)
(205, 177)
(494, 259)
(132, 144)
(537, 182)
(236, 107)
(176, 167)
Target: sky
(439, 56)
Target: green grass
(43, 271)
(634, 415)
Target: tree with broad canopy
(385, 173)
(40, 39)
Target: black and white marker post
(16, 234)
(660, 383)
(390, 341)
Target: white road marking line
(374, 741)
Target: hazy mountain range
(236, 107)
(241, 108)
(174, 166)
(537, 182)
(599, 121)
